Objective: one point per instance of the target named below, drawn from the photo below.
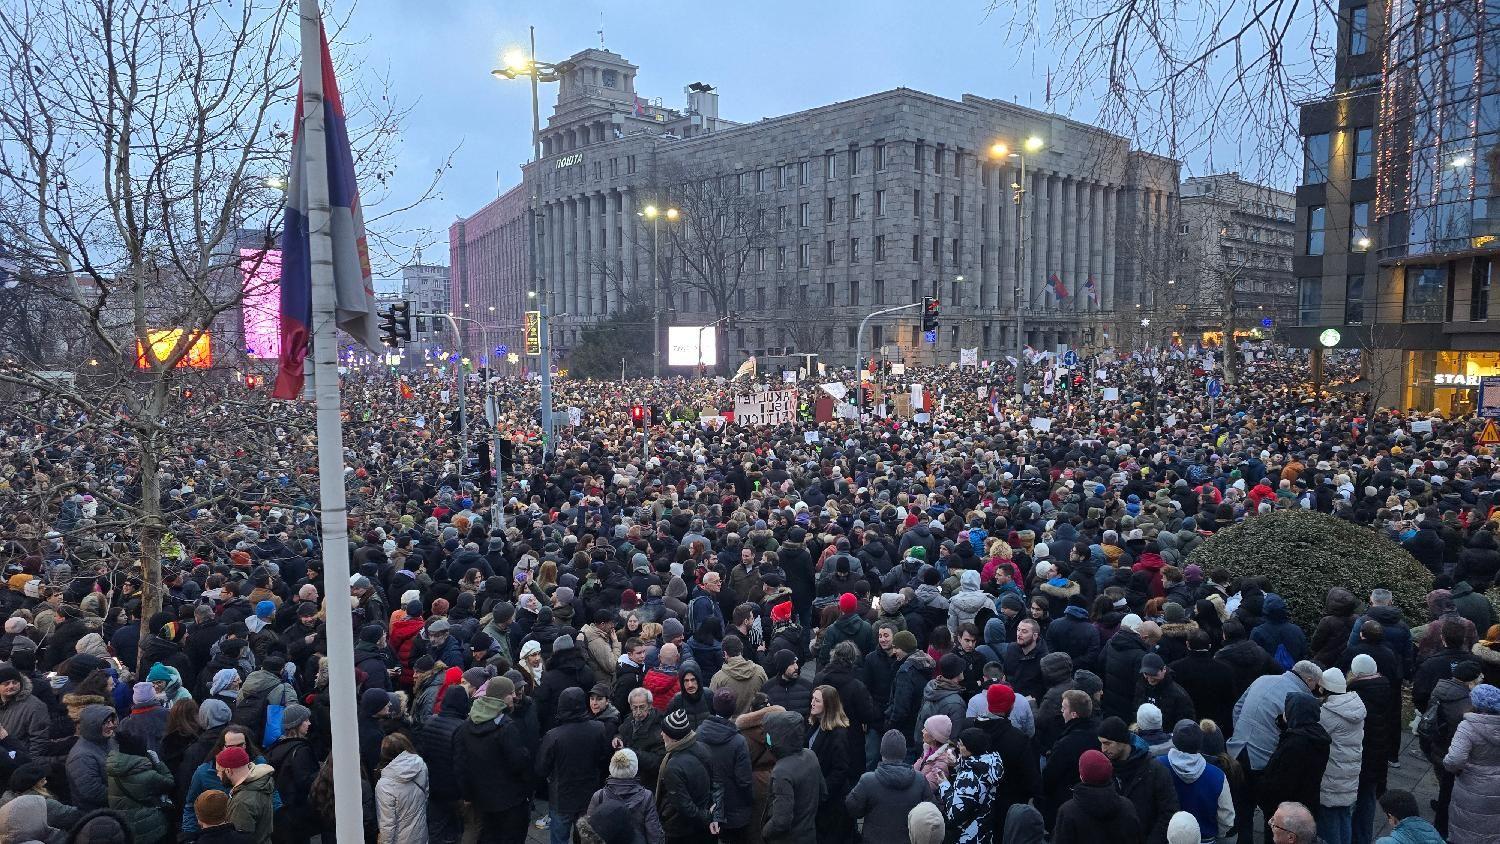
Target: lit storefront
(1445, 380)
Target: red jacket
(403, 634)
(1152, 563)
(662, 686)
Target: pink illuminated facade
(261, 272)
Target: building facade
(427, 288)
(1395, 227)
(1235, 243)
(835, 212)
(489, 268)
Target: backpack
(1283, 657)
(256, 712)
(1432, 725)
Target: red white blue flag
(354, 290)
(1090, 289)
(1058, 288)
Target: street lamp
(275, 182)
(1032, 144)
(654, 214)
(517, 64)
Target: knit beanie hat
(293, 716)
(142, 694)
(782, 612)
(1148, 717)
(1000, 698)
(940, 727)
(1094, 768)
(951, 666)
(904, 641)
(676, 724)
(212, 807)
(1113, 728)
(1183, 829)
(231, 758)
(1333, 681)
(624, 764)
(725, 702)
(1363, 665)
(892, 746)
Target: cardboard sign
(768, 407)
(1111, 393)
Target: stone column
(628, 272)
(1111, 228)
(1055, 196)
(1070, 244)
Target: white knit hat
(1183, 829)
(624, 765)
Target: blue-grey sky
(767, 58)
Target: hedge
(1304, 554)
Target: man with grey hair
(1293, 823)
(1383, 609)
(1256, 731)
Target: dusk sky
(767, 58)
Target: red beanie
(440, 606)
(782, 612)
(1001, 698)
(1094, 768)
(848, 603)
(232, 758)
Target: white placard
(1101, 375)
(769, 407)
(811, 437)
(788, 376)
(443, 395)
(1041, 424)
(846, 411)
(1421, 426)
(898, 369)
(1111, 393)
(837, 389)
(575, 416)
(922, 418)
(1170, 421)
(968, 357)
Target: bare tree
(136, 140)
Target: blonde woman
(833, 743)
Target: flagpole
(348, 806)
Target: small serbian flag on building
(354, 290)
(1058, 288)
(1090, 289)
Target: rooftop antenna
(601, 29)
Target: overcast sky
(766, 58)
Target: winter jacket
(296, 764)
(401, 800)
(1121, 662)
(797, 787)
(565, 670)
(1248, 662)
(1474, 759)
(884, 797)
(1433, 669)
(1061, 772)
(1169, 697)
(941, 697)
(438, 742)
(1097, 813)
(967, 602)
(850, 628)
(1479, 562)
(1343, 717)
(23, 820)
(967, 796)
(687, 797)
(1295, 770)
(1149, 788)
(1332, 634)
(495, 762)
(26, 719)
(1278, 631)
(136, 787)
(573, 755)
(730, 767)
(1209, 683)
(639, 803)
(1382, 725)
(1072, 633)
(663, 686)
(1412, 830)
(1255, 715)
(907, 686)
(1473, 606)
(600, 652)
(1397, 636)
(87, 780)
(1202, 791)
(741, 676)
(251, 804)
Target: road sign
(1267, 322)
(1070, 359)
(1215, 388)
(1490, 435)
(930, 337)
(533, 332)
(1489, 397)
(501, 350)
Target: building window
(880, 203)
(957, 204)
(937, 251)
(916, 248)
(1317, 219)
(830, 165)
(1359, 227)
(1315, 160)
(780, 297)
(804, 255)
(1426, 294)
(804, 214)
(831, 211)
(760, 305)
(1309, 300)
(781, 257)
(802, 295)
(802, 172)
(879, 248)
(762, 181)
(852, 335)
(828, 294)
(1364, 152)
(781, 216)
(853, 250)
(919, 152)
(953, 248)
(1354, 300)
(1479, 291)
(785, 176)
(880, 156)
(937, 207)
(760, 259)
(854, 210)
(937, 159)
(611, 78)
(854, 292)
(854, 161)
(879, 294)
(830, 257)
(629, 164)
(1359, 30)
(916, 202)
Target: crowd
(967, 628)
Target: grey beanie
(671, 629)
(892, 746)
(213, 713)
(293, 716)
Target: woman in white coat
(1343, 716)
(401, 793)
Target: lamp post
(518, 63)
(654, 214)
(1032, 144)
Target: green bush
(1304, 554)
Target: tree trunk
(151, 532)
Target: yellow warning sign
(1490, 435)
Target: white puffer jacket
(1343, 716)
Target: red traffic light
(637, 414)
(252, 382)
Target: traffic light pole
(859, 345)
(463, 414)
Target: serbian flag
(354, 291)
(1058, 288)
(406, 391)
(1090, 289)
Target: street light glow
(1364, 243)
(999, 151)
(649, 210)
(1034, 143)
(515, 59)
(671, 213)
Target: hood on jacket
(1340, 602)
(406, 767)
(1347, 706)
(572, 705)
(741, 669)
(24, 819)
(91, 723)
(689, 667)
(1302, 712)
(968, 581)
(717, 730)
(994, 632)
(784, 729)
(260, 680)
(1275, 609)
(1057, 667)
(1024, 825)
(262, 779)
(896, 775)
(1187, 766)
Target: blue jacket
(1199, 798)
(1278, 630)
(1255, 715)
(1413, 830)
(205, 779)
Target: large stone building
(427, 288)
(832, 213)
(1235, 244)
(1396, 236)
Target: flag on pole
(406, 391)
(1058, 288)
(746, 370)
(1090, 289)
(351, 260)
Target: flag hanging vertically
(406, 391)
(1058, 288)
(351, 260)
(1091, 289)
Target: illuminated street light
(1462, 161)
(1034, 144)
(275, 182)
(999, 150)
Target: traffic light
(395, 324)
(252, 382)
(507, 455)
(638, 415)
(931, 310)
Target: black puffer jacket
(687, 789)
(1479, 562)
(730, 767)
(438, 743)
(1121, 661)
(565, 670)
(574, 754)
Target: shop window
(1479, 291)
(1309, 301)
(1426, 293)
(1354, 300)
